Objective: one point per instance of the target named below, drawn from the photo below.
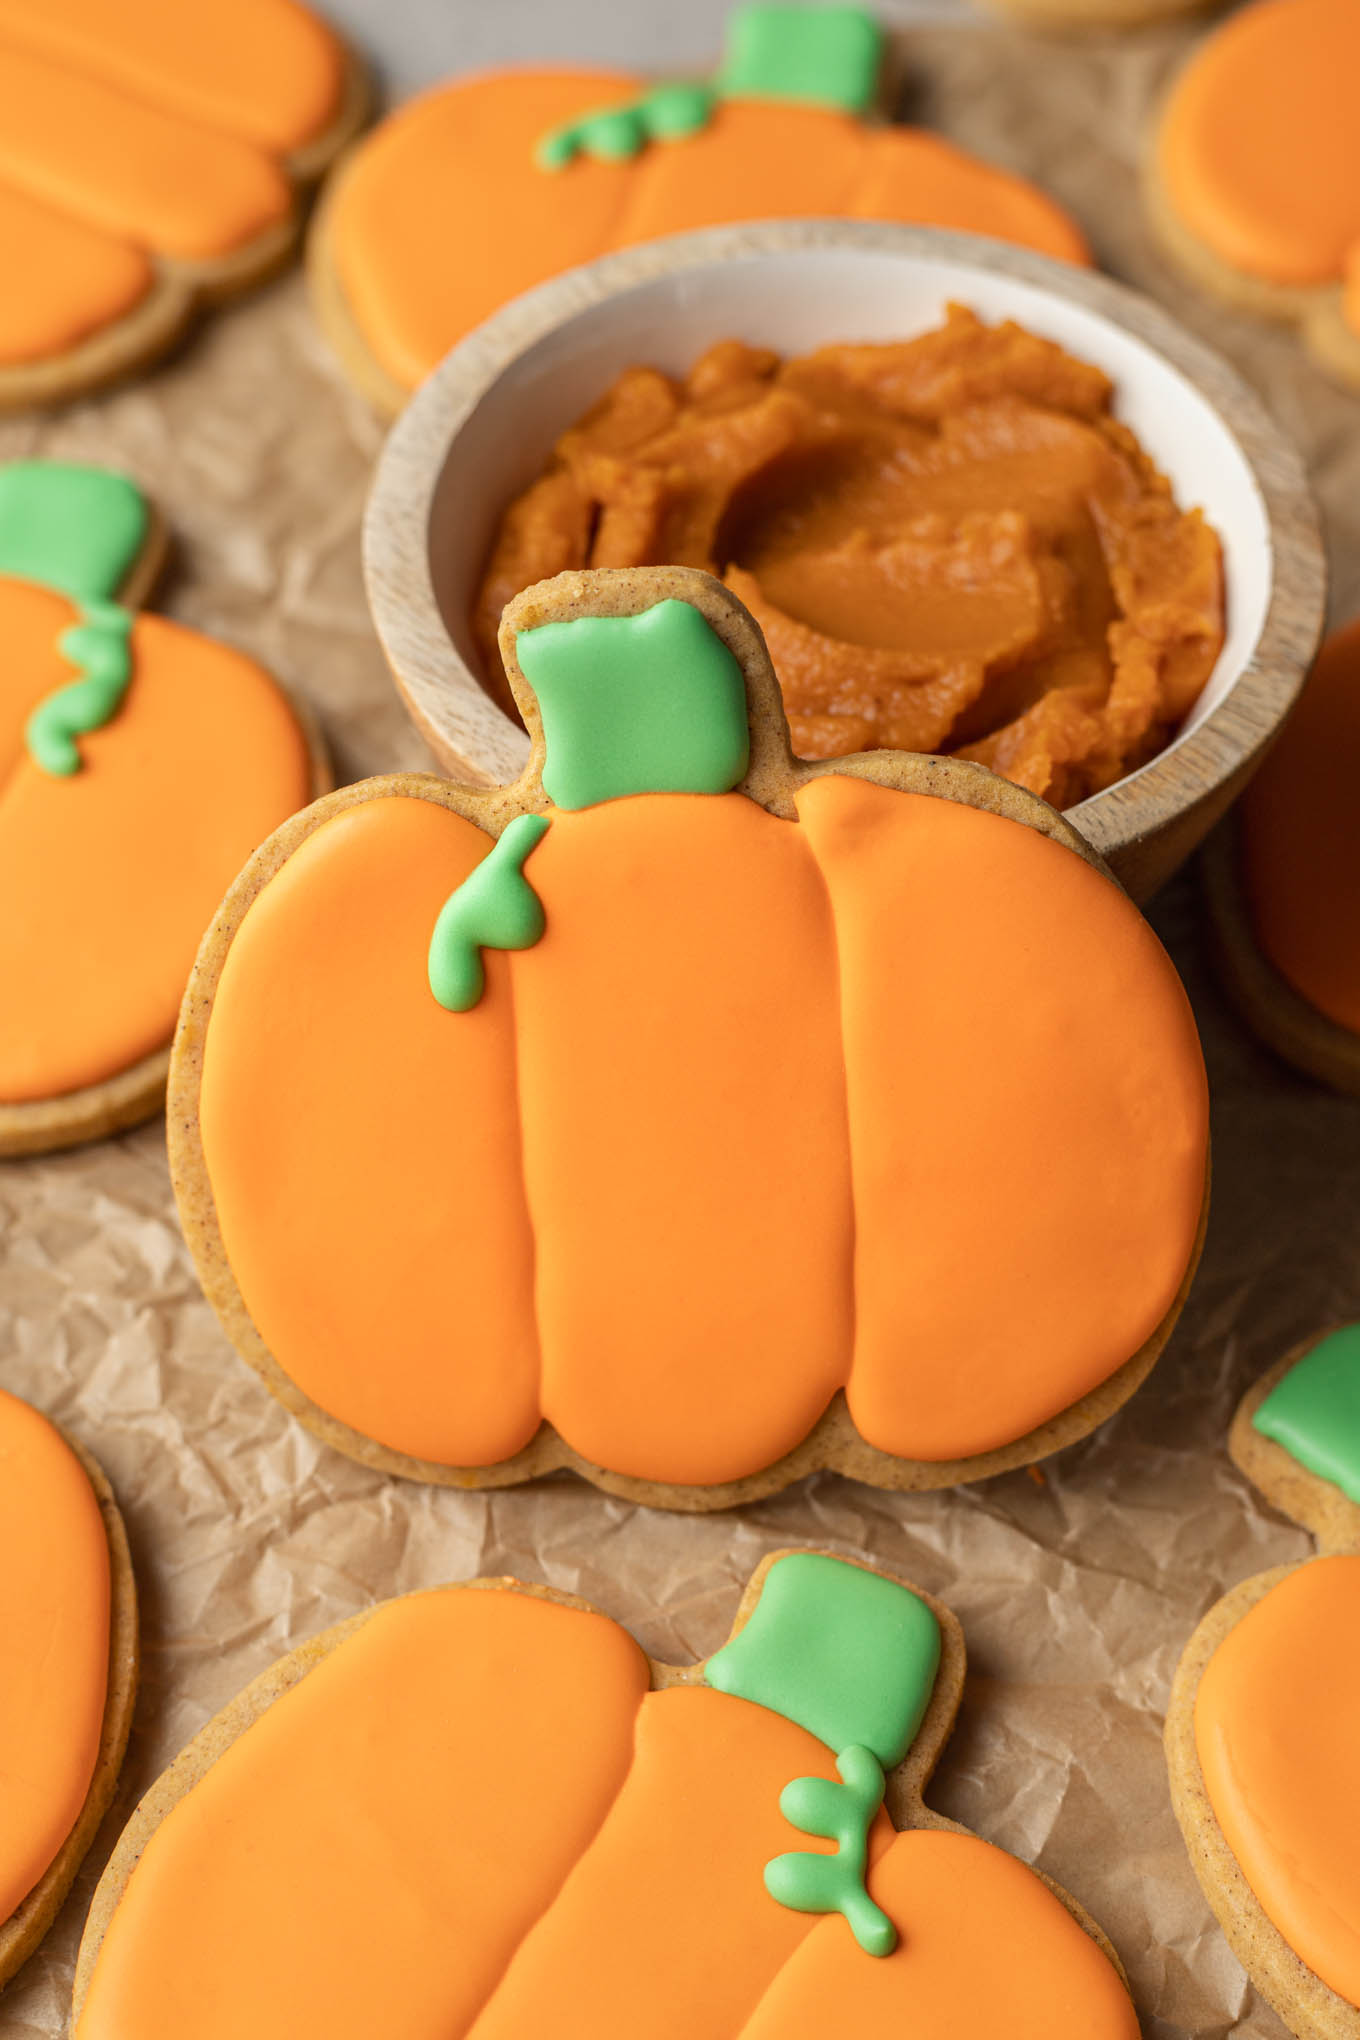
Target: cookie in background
(140, 762)
(1261, 1733)
(482, 187)
(1281, 879)
(68, 1668)
(1254, 173)
(155, 158)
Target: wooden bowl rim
(431, 674)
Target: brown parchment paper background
(1077, 1587)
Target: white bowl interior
(798, 299)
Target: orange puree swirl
(949, 542)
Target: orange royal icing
(661, 1109)
(468, 1823)
(123, 863)
(129, 168)
(77, 280)
(54, 1645)
(420, 265)
(1275, 1731)
(1300, 838)
(151, 129)
(368, 1856)
(265, 70)
(1259, 148)
(985, 1949)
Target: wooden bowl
(481, 427)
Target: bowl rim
(466, 724)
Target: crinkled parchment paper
(1077, 1585)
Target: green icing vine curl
(815, 1883)
(811, 55)
(668, 113)
(494, 908)
(99, 646)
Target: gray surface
(413, 42)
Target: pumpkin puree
(949, 543)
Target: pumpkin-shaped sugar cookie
(1261, 1735)
(490, 184)
(152, 159)
(68, 1668)
(1255, 183)
(481, 1813)
(1282, 879)
(139, 764)
(685, 1114)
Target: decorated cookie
(482, 1811)
(68, 1668)
(488, 185)
(1261, 1735)
(152, 156)
(1255, 181)
(139, 764)
(684, 1114)
(1282, 879)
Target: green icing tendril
(79, 530)
(665, 114)
(851, 1657)
(652, 703)
(100, 647)
(1314, 1411)
(817, 56)
(815, 1883)
(494, 908)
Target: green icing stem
(652, 703)
(76, 529)
(821, 56)
(816, 56)
(817, 1883)
(100, 646)
(494, 908)
(1314, 1411)
(848, 1655)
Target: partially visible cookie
(490, 184)
(68, 1668)
(483, 1811)
(1261, 1734)
(1254, 172)
(139, 763)
(153, 159)
(1281, 879)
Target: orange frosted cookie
(646, 1116)
(68, 1668)
(1256, 168)
(488, 185)
(152, 157)
(481, 1813)
(1261, 1741)
(139, 764)
(1283, 882)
